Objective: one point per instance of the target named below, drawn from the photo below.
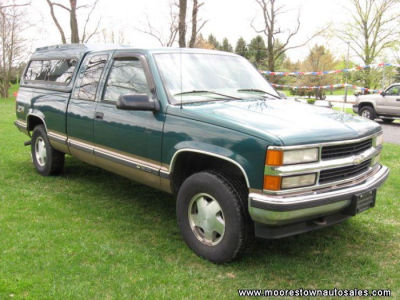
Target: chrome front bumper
(279, 210)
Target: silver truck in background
(385, 105)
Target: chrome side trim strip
(22, 126)
(125, 161)
(173, 159)
(80, 146)
(164, 174)
(116, 157)
(57, 137)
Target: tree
(182, 23)
(113, 37)
(195, 28)
(201, 42)
(318, 59)
(241, 47)
(11, 42)
(257, 50)
(73, 21)
(178, 27)
(226, 46)
(274, 32)
(164, 40)
(213, 41)
(373, 30)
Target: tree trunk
(182, 23)
(74, 23)
(194, 24)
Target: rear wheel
(46, 159)
(211, 217)
(367, 112)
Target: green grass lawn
(93, 235)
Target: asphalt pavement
(391, 132)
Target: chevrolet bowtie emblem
(357, 159)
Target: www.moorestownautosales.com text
(314, 293)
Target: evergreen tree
(241, 47)
(257, 50)
(213, 41)
(226, 46)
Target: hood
(368, 97)
(289, 121)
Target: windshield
(196, 77)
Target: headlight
(379, 140)
(290, 157)
(276, 183)
(298, 181)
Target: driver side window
(393, 91)
(127, 77)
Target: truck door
(392, 101)
(81, 107)
(128, 142)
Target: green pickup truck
(207, 127)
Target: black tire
(387, 121)
(367, 112)
(236, 230)
(53, 164)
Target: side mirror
(137, 102)
(282, 95)
(383, 94)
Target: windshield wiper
(207, 92)
(257, 91)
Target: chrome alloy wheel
(40, 151)
(206, 219)
(366, 114)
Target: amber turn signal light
(274, 158)
(272, 183)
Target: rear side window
(56, 70)
(89, 76)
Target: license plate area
(361, 202)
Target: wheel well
(188, 163)
(361, 105)
(33, 121)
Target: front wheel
(46, 159)
(212, 217)
(367, 112)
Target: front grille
(342, 173)
(343, 150)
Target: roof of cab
(78, 50)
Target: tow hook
(320, 222)
(27, 143)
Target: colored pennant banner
(321, 73)
(325, 87)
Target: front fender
(212, 150)
(245, 151)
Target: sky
(225, 18)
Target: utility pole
(347, 73)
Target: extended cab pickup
(207, 127)
(385, 105)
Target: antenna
(180, 66)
